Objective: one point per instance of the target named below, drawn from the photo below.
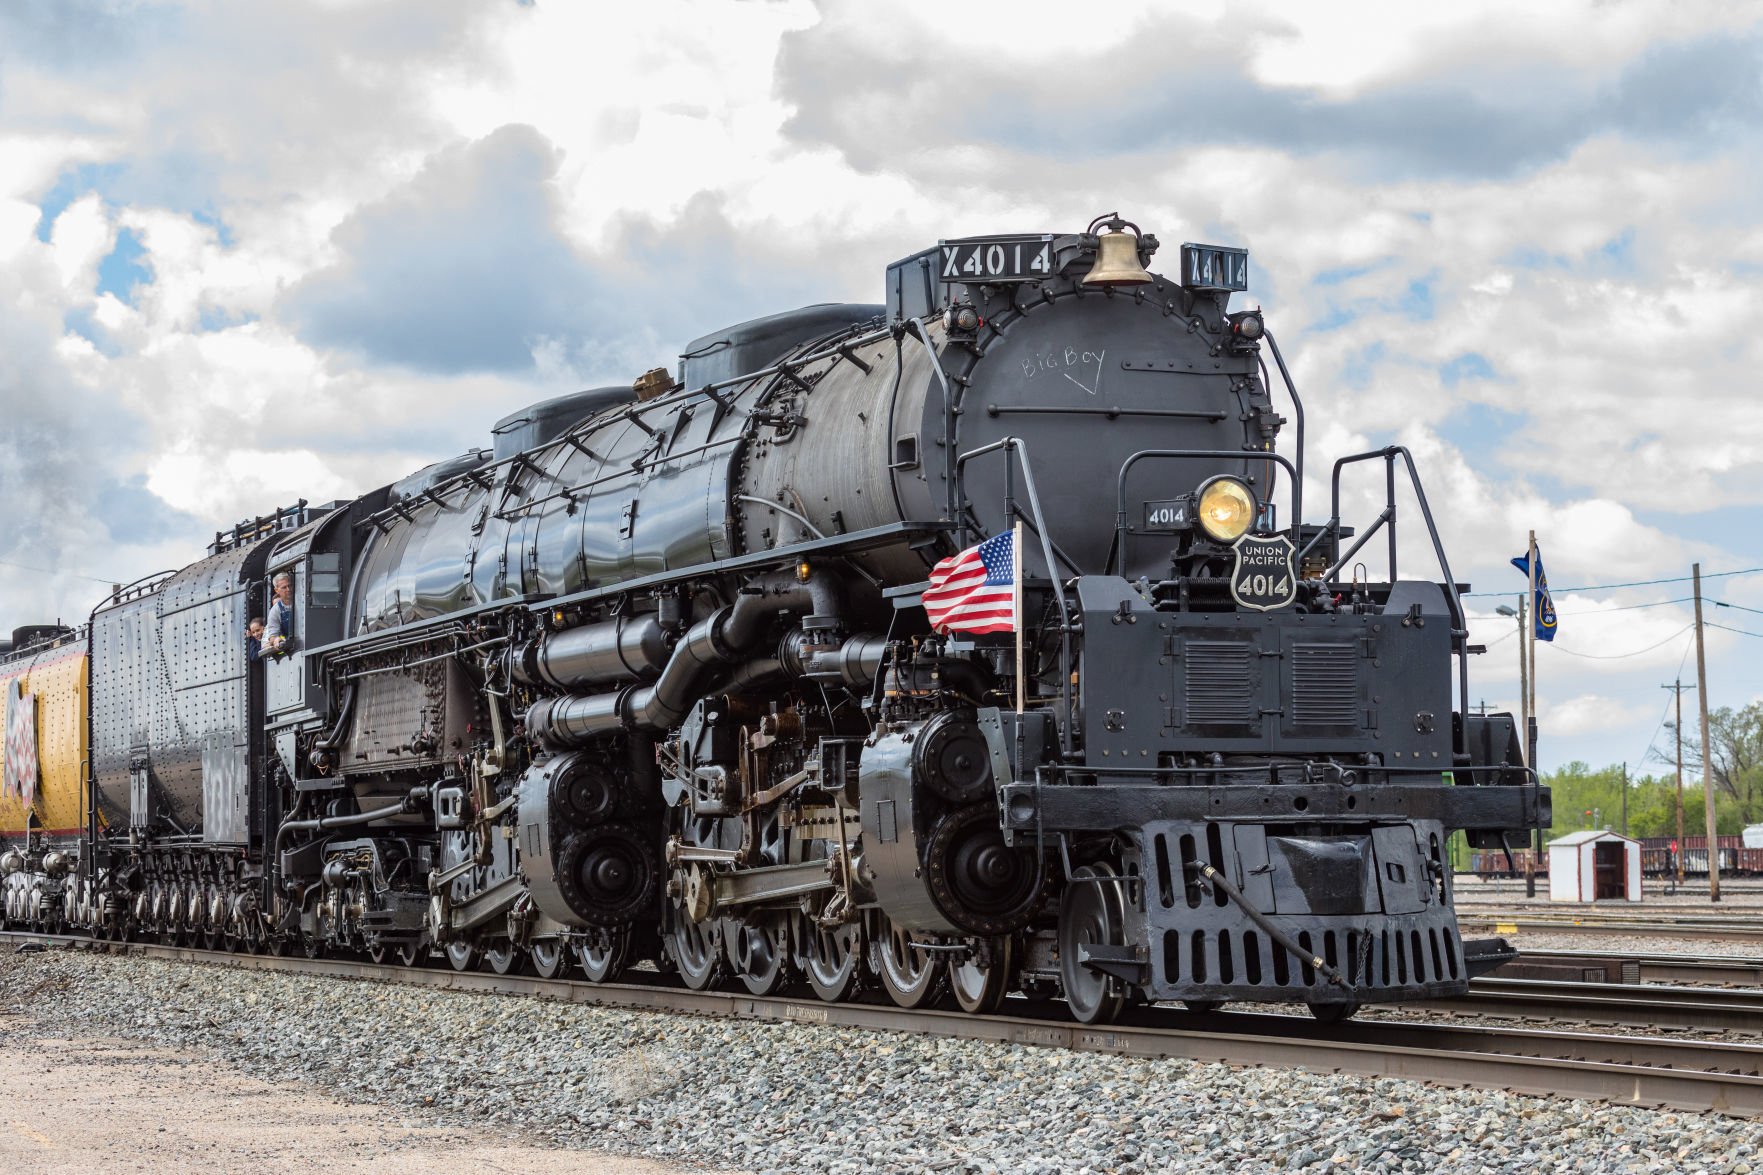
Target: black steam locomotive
(652, 679)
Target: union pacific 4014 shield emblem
(1265, 577)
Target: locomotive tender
(652, 679)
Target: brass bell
(1117, 255)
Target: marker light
(1227, 509)
(1247, 325)
(964, 319)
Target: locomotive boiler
(652, 679)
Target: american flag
(975, 591)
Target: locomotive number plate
(1168, 516)
(1214, 267)
(997, 259)
(1264, 578)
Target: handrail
(1018, 448)
(955, 497)
(1120, 527)
(1459, 619)
(128, 590)
(523, 509)
(484, 474)
(1298, 407)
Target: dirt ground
(88, 1105)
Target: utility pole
(1625, 799)
(1524, 708)
(1707, 757)
(1677, 688)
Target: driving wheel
(979, 987)
(503, 957)
(758, 955)
(833, 958)
(549, 958)
(909, 974)
(462, 955)
(603, 956)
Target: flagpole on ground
(1530, 635)
(1530, 708)
(1016, 578)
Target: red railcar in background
(1735, 859)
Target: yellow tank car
(54, 677)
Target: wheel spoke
(834, 959)
(759, 958)
(697, 951)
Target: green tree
(1736, 737)
(1587, 798)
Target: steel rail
(1708, 1009)
(1738, 912)
(1692, 969)
(1626, 1070)
(1728, 931)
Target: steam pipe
(716, 641)
(626, 649)
(334, 736)
(854, 663)
(327, 823)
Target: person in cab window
(280, 628)
(254, 638)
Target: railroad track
(1700, 1009)
(1603, 967)
(1510, 923)
(1685, 1075)
(1728, 913)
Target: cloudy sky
(256, 252)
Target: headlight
(1227, 509)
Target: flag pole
(1530, 635)
(1530, 708)
(1016, 579)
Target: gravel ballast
(794, 1097)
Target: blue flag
(1542, 608)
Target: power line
(1618, 608)
(1620, 656)
(1740, 631)
(53, 571)
(1654, 604)
(1679, 677)
(1626, 607)
(1604, 587)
